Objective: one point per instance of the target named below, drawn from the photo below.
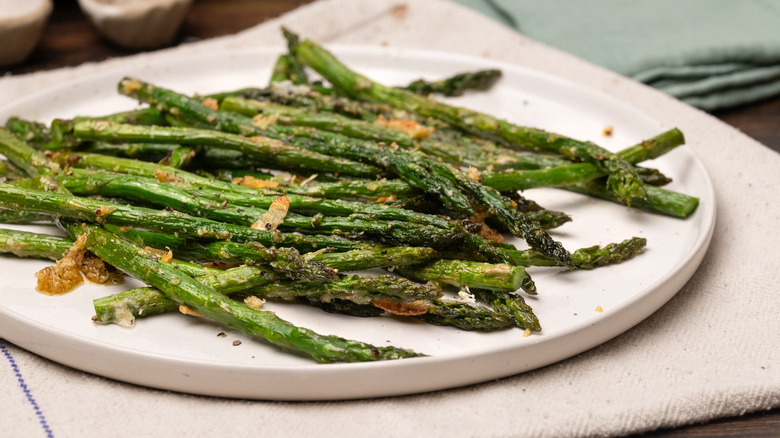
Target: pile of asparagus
(287, 192)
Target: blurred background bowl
(21, 26)
(137, 24)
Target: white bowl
(137, 24)
(21, 26)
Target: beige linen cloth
(712, 351)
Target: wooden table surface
(70, 40)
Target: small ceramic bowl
(137, 24)
(21, 26)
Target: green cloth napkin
(712, 54)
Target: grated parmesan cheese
(254, 302)
(465, 296)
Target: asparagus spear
(370, 191)
(257, 323)
(270, 151)
(359, 289)
(314, 281)
(79, 208)
(341, 297)
(36, 245)
(400, 163)
(467, 316)
(9, 172)
(361, 189)
(33, 133)
(578, 172)
(362, 259)
(623, 179)
(584, 258)
(295, 71)
(658, 199)
(287, 68)
(10, 216)
(457, 84)
(23, 156)
(476, 275)
(287, 115)
(513, 306)
(140, 116)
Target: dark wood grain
(760, 121)
(70, 40)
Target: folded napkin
(712, 351)
(711, 54)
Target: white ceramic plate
(185, 354)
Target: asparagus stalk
(658, 199)
(23, 156)
(257, 323)
(79, 208)
(10, 216)
(584, 258)
(467, 316)
(122, 308)
(369, 191)
(578, 172)
(315, 281)
(359, 289)
(457, 84)
(9, 172)
(362, 259)
(361, 189)
(295, 71)
(513, 306)
(287, 68)
(140, 116)
(472, 274)
(31, 132)
(465, 152)
(270, 151)
(287, 115)
(286, 93)
(455, 189)
(35, 245)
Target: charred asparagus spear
(95, 211)
(457, 84)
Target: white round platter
(578, 310)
